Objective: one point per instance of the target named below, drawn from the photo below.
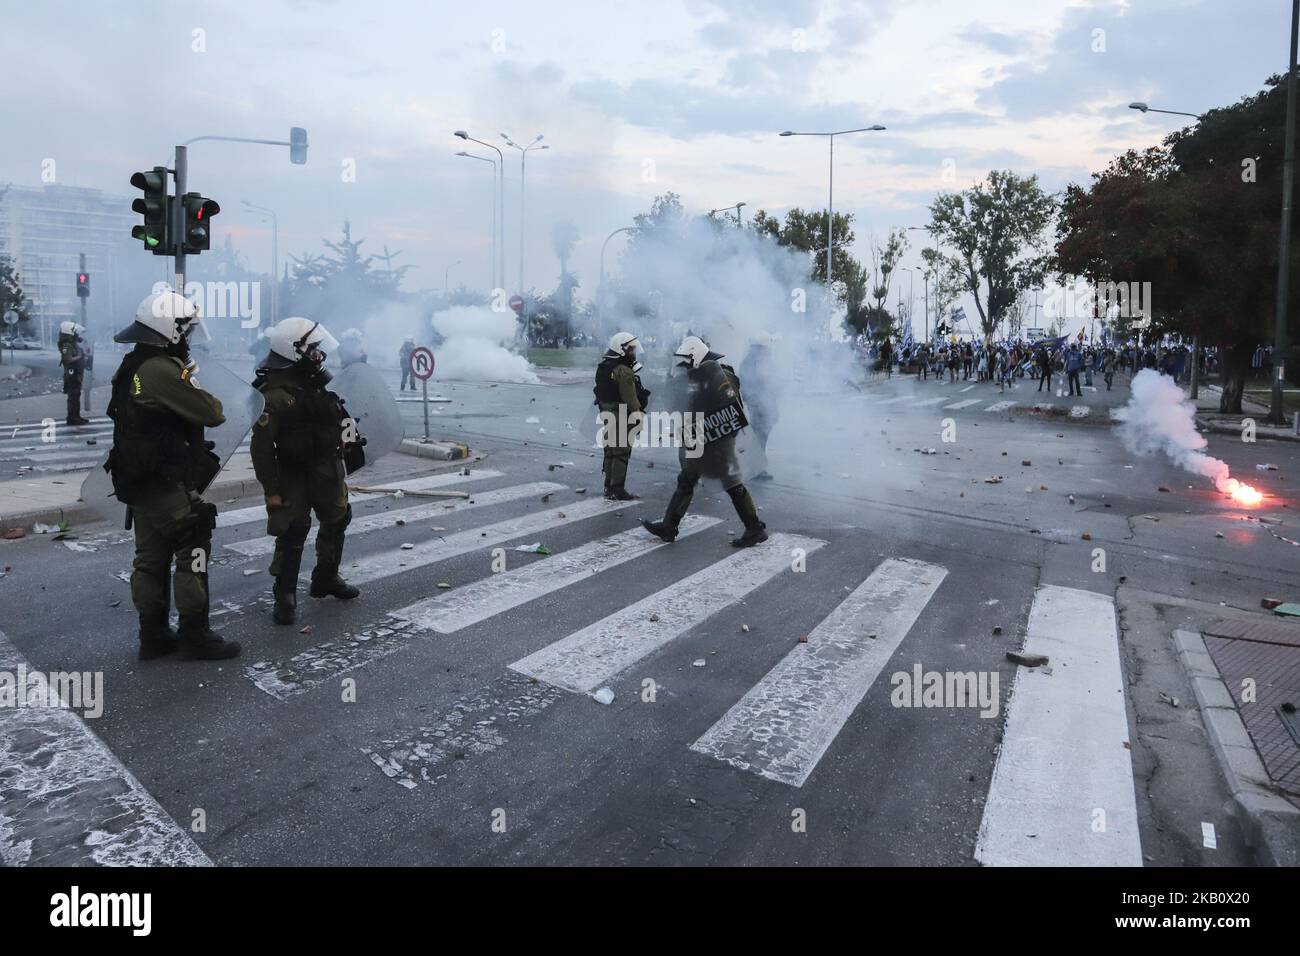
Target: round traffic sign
(11, 317)
(422, 363)
(517, 303)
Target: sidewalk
(1210, 418)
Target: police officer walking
(619, 395)
(297, 450)
(158, 462)
(714, 391)
(73, 359)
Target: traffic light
(155, 206)
(297, 145)
(198, 233)
(83, 285)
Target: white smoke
(1159, 419)
(474, 346)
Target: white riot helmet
(692, 351)
(295, 339)
(72, 328)
(162, 319)
(625, 344)
(352, 333)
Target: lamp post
(1194, 388)
(275, 258)
(523, 163)
(736, 207)
(830, 197)
(499, 274)
(600, 293)
(492, 278)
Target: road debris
(535, 548)
(1027, 660)
(603, 696)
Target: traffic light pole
(90, 371)
(180, 174)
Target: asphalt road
(464, 729)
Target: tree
(341, 286)
(807, 231)
(1199, 219)
(11, 288)
(997, 229)
(884, 260)
(944, 284)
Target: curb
(80, 512)
(1271, 822)
(15, 373)
(441, 450)
(1222, 427)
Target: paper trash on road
(535, 548)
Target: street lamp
(925, 275)
(275, 258)
(492, 277)
(600, 293)
(1194, 388)
(499, 278)
(735, 207)
(523, 160)
(830, 200)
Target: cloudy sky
(634, 99)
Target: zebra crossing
(462, 573)
(52, 447)
(947, 402)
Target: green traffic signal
(155, 207)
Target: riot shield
(241, 403)
(371, 405)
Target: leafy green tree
(11, 289)
(944, 286)
(807, 231)
(997, 228)
(884, 261)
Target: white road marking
(396, 561)
(501, 592)
(428, 509)
(1062, 791)
(1000, 406)
(965, 403)
(592, 656)
(238, 516)
(788, 720)
(894, 400)
(931, 401)
(967, 388)
(65, 800)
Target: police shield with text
(159, 464)
(304, 444)
(714, 401)
(619, 396)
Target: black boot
(755, 530)
(285, 589)
(325, 582)
(666, 530)
(619, 493)
(198, 642)
(156, 638)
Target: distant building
(44, 230)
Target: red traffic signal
(83, 284)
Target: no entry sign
(422, 363)
(517, 303)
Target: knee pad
(296, 534)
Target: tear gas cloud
(1158, 419)
(474, 341)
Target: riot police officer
(619, 396)
(714, 392)
(158, 462)
(73, 359)
(297, 450)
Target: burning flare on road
(1158, 418)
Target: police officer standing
(158, 461)
(713, 388)
(404, 359)
(619, 395)
(73, 359)
(297, 450)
